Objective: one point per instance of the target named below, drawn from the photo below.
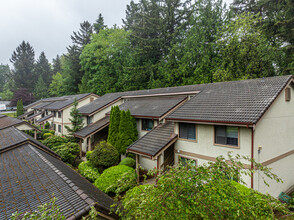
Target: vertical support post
(81, 149)
(158, 164)
(137, 168)
(35, 134)
(89, 143)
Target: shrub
(87, 171)
(52, 132)
(130, 162)
(88, 154)
(47, 125)
(67, 151)
(55, 141)
(104, 155)
(46, 135)
(116, 180)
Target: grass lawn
(9, 114)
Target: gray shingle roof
(29, 175)
(110, 97)
(155, 140)
(57, 105)
(34, 115)
(45, 118)
(8, 122)
(242, 101)
(26, 114)
(154, 107)
(92, 128)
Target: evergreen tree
(23, 60)
(4, 75)
(56, 65)
(57, 85)
(83, 36)
(19, 108)
(43, 69)
(126, 135)
(75, 119)
(40, 90)
(99, 24)
(114, 122)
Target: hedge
(116, 179)
(88, 171)
(130, 162)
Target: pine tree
(99, 24)
(43, 69)
(56, 65)
(23, 60)
(75, 119)
(40, 90)
(19, 108)
(83, 36)
(114, 123)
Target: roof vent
(287, 94)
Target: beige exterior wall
(141, 132)
(274, 135)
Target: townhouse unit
(253, 118)
(55, 111)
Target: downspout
(252, 154)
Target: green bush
(88, 154)
(67, 151)
(116, 180)
(87, 171)
(52, 132)
(46, 135)
(47, 125)
(55, 141)
(130, 162)
(104, 155)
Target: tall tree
(4, 75)
(56, 65)
(83, 36)
(113, 129)
(24, 94)
(75, 119)
(23, 60)
(19, 108)
(41, 90)
(99, 24)
(43, 69)
(57, 86)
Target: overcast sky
(48, 24)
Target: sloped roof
(92, 128)
(45, 118)
(34, 115)
(155, 140)
(26, 114)
(154, 107)
(9, 121)
(242, 101)
(30, 174)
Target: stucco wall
(274, 134)
(141, 132)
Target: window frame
(187, 158)
(226, 145)
(59, 128)
(59, 114)
(142, 124)
(184, 139)
(90, 119)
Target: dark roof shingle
(155, 140)
(9, 121)
(242, 101)
(92, 128)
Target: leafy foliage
(19, 108)
(130, 162)
(88, 171)
(117, 179)
(88, 154)
(203, 193)
(40, 90)
(46, 211)
(55, 141)
(76, 119)
(67, 151)
(114, 121)
(104, 155)
(46, 135)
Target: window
(226, 135)
(59, 128)
(147, 124)
(46, 112)
(54, 127)
(54, 113)
(187, 131)
(184, 161)
(89, 119)
(287, 94)
(59, 114)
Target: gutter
(252, 155)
